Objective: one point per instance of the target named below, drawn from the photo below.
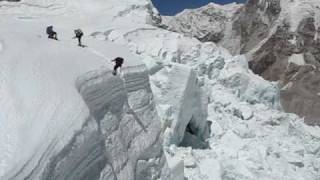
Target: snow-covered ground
(251, 138)
(252, 141)
(43, 112)
(192, 82)
(36, 77)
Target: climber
(79, 35)
(119, 62)
(51, 33)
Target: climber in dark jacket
(51, 33)
(118, 63)
(79, 35)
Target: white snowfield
(64, 116)
(42, 110)
(37, 92)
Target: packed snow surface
(35, 79)
(38, 88)
(250, 136)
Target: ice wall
(127, 123)
(65, 116)
(182, 105)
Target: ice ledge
(129, 125)
(121, 138)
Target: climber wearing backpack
(79, 35)
(118, 63)
(51, 33)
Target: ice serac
(129, 127)
(179, 94)
(280, 38)
(250, 138)
(183, 106)
(253, 89)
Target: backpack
(119, 60)
(78, 32)
(49, 29)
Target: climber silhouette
(78, 35)
(51, 33)
(118, 64)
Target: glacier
(271, 33)
(181, 108)
(65, 116)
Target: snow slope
(89, 124)
(34, 85)
(44, 115)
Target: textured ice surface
(244, 109)
(279, 37)
(181, 103)
(250, 137)
(65, 116)
(69, 118)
